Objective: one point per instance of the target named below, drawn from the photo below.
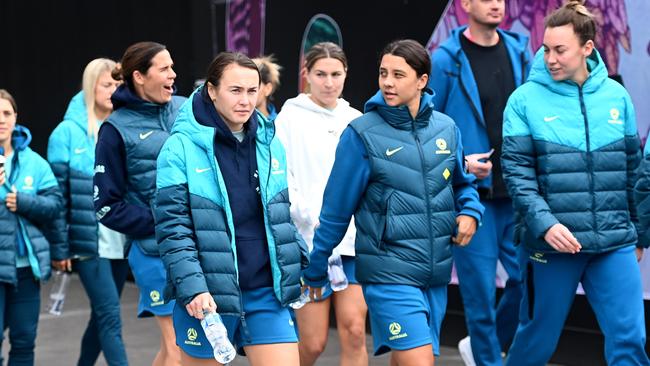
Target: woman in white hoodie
(309, 126)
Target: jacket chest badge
(446, 173)
(275, 167)
(28, 183)
(442, 147)
(614, 115)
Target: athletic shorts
(150, 277)
(404, 317)
(266, 322)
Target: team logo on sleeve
(275, 167)
(614, 115)
(28, 183)
(442, 147)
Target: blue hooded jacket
(29, 229)
(402, 198)
(71, 153)
(195, 225)
(570, 155)
(456, 92)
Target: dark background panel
(46, 44)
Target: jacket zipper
(466, 93)
(583, 110)
(242, 314)
(426, 193)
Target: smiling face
(326, 79)
(489, 13)
(156, 85)
(235, 95)
(400, 84)
(565, 58)
(7, 122)
(104, 88)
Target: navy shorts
(149, 273)
(267, 322)
(404, 317)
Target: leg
(104, 331)
(476, 268)
(4, 287)
(22, 318)
(313, 325)
(351, 310)
(169, 354)
(187, 360)
(508, 306)
(550, 283)
(120, 270)
(278, 354)
(612, 284)
(420, 356)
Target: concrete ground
(59, 336)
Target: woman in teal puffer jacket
(570, 151)
(30, 202)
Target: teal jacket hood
(77, 112)
(203, 136)
(597, 75)
(21, 138)
(400, 117)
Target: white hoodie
(310, 134)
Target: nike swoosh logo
(198, 170)
(79, 151)
(549, 119)
(145, 135)
(390, 152)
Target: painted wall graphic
(245, 23)
(320, 28)
(623, 40)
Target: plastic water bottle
(338, 279)
(60, 281)
(217, 335)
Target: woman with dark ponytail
(570, 152)
(144, 110)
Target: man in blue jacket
(473, 74)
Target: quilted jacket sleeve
(174, 228)
(58, 148)
(519, 160)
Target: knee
(353, 335)
(313, 346)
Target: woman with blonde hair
(91, 249)
(269, 83)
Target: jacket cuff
(540, 224)
(320, 281)
(188, 288)
(477, 215)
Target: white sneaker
(465, 349)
